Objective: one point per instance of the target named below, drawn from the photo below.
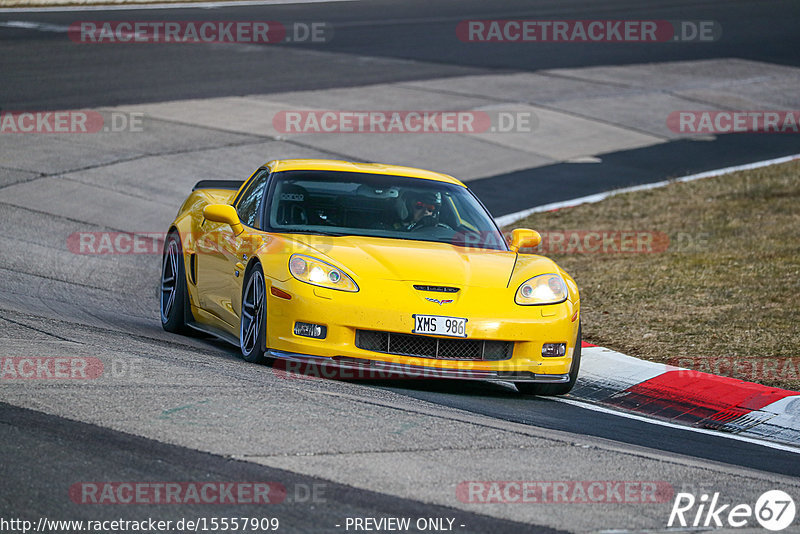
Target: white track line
(176, 5)
(39, 26)
(724, 435)
(511, 218)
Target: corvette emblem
(439, 302)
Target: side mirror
(524, 238)
(223, 213)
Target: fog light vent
(316, 331)
(554, 350)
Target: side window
(250, 199)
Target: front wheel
(174, 299)
(252, 329)
(549, 390)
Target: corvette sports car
(369, 267)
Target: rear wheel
(549, 390)
(174, 298)
(252, 329)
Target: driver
(423, 210)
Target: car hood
(420, 261)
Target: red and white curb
(692, 398)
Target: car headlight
(319, 273)
(542, 289)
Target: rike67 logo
(774, 510)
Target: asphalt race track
(417, 32)
(177, 409)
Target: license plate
(440, 325)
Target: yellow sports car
(369, 267)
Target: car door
(221, 250)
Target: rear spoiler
(218, 184)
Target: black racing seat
(292, 202)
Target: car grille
(433, 347)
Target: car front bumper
(490, 318)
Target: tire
(174, 298)
(252, 330)
(549, 390)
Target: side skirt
(216, 332)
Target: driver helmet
(424, 204)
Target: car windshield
(375, 205)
